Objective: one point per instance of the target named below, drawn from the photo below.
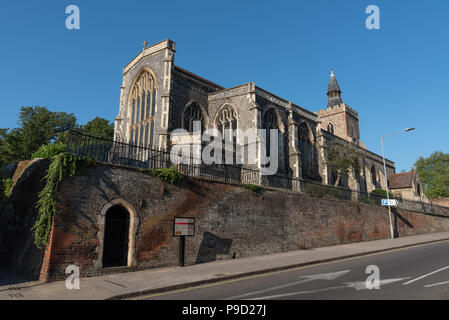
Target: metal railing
(119, 153)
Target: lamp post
(386, 177)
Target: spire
(333, 91)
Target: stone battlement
(337, 108)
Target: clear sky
(395, 77)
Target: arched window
(306, 149)
(193, 113)
(373, 175)
(270, 121)
(143, 104)
(227, 119)
(330, 128)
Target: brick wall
(231, 221)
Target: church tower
(333, 91)
(338, 118)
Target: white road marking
(436, 284)
(324, 276)
(361, 285)
(297, 293)
(426, 275)
(356, 285)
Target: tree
(40, 127)
(37, 126)
(342, 157)
(434, 174)
(100, 128)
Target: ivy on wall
(5, 189)
(62, 165)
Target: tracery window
(143, 105)
(227, 119)
(306, 149)
(373, 175)
(270, 121)
(330, 128)
(191, 114)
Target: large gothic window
(227, 119)
(191, 114)
(330, 128)
(270, 121)
(143, 104)
(373, 176)
(306, 149)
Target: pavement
(139, 283)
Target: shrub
(7, 185)
(50, 150)
(5, 188)
(253, 187)
(382, 192)
(170, 175)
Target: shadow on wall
(397, 216)
(212, 246)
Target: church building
(158, 97)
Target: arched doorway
(116, 237)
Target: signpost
(390, 202)
(183, 227)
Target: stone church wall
(231, 221)
(183, 92)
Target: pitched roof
(191, 74)
(401, 180)
(333, 84)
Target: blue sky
(395, 77)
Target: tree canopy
(39, 126)
(100, 128)
(433, 172)
(342, 157)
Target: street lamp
(386, 177)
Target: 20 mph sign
(390, 202)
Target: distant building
(407, 186)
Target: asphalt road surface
(420, 272)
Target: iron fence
(119, 153)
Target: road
(420, 272)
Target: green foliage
(324, 191)
(341, 158)
(100, 128)
(253, 187)
(38, 126)
(382, 192)
(170, 175)
(63, 165)
(50, 150)
(5, 188)
(434, 174)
